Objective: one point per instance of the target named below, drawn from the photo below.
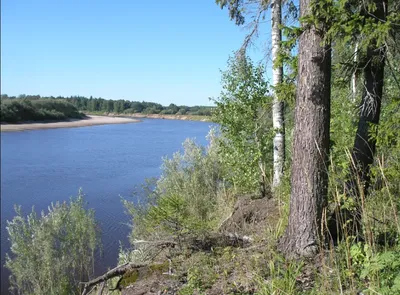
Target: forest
(35, 107)
(22, 110)
(297, 191)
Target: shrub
(243, 111)
(52, 252)
(190, 196)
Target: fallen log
(101, 289)
(117, 271)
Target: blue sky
(161, 51)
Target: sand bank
(161, 116)
(89, 121)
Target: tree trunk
(354, 74)
(370, 109)
(365, 141)
(278, 106)
(309, 176)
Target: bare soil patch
(251, 217)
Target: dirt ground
(250, 217)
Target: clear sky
(161, 51)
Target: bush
(243, 111)
(53, 252)
(190, 197)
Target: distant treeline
(20, 110)
(91, 104)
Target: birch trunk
(311, 143)
(354, 75)
(278, 106)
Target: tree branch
(117, 271)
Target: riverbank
(159, 116)
(90, 120)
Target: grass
(344, 266)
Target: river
(108, 162)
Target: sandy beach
(89, 121)
(162, 116)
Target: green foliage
(93, 105)
(343, 127)
(243, 111)
(189, 197)
(202, 275)
(235, 9)
(282, 277)
(13, 110)
(380, 271)
(387, 168)
(53, 252)
(383, 269)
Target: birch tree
(235, 9)
(354, 74)
(278, 106)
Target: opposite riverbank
(158, 116)
(90, 120)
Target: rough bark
(311, 143)
(278, 106)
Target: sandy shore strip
(89, 121)
(162, 116)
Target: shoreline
(159, 116)
(90, 120)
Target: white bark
(354, 75)
(277, 108)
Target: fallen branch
(101, 289)
(204, 243)
(219, 240)
(117, 271)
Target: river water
(109, 161)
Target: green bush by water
(52, 252)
